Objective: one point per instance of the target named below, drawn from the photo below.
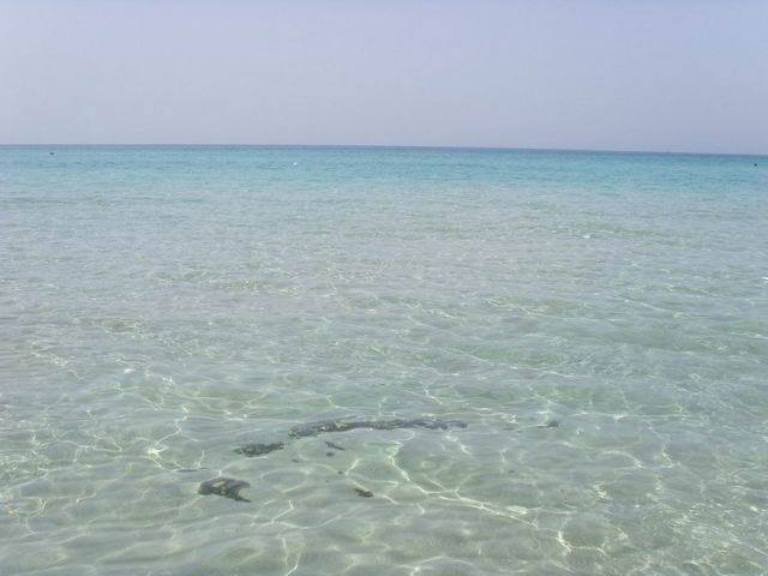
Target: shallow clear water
(599, 322)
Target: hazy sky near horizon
(666, 75)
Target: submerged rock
(327, 426)
(550, 424)
(364, 493)
(334, 446)
(257, 449)
(227, 487)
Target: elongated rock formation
(327, 426)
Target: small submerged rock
(334, 446)
(364, 493)
(227, 487)
(258, 449)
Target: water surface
(599, 322)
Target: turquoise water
(598, 321)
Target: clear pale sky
(666, 75)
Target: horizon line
(386, 146)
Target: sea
(222, 361)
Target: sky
(656, 75)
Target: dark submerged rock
(327, 426)
(257, 449)
(550, 424)
(364, 493)
(334, 446)
(227, 487)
